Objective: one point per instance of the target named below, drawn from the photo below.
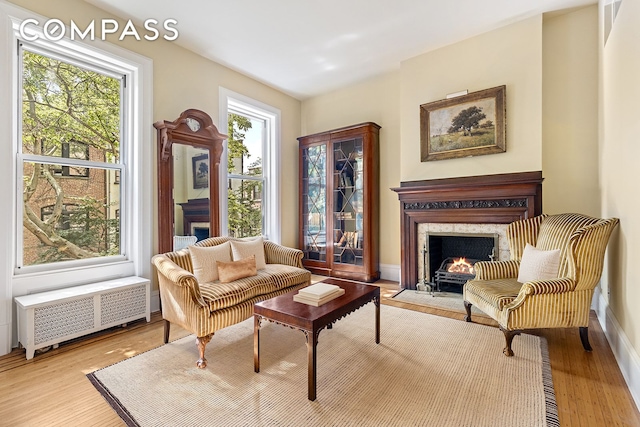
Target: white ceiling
(305, 47)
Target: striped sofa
(562, 302)
(204, 308)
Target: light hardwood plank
(52, 389)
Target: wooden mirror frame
(206, 136)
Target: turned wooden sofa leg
(202, 342)
(467, 307)
(584, 337)
(508, 336)
(167, 328)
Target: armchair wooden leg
(202, 342)
(167, 328)
(508, 336)
(467, 307)
(584, 337)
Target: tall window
(252, 179)
(70, 152)
(245, 175)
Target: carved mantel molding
(486, 199)
(466, 204)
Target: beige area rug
(427, 370)
(450, 301)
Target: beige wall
(182, 79)
(508, 56)
(570, 112)
(620, 70)
(376, 100)
(393, 101)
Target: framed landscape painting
(464, 126)
(200, 167)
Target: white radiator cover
(48, 318)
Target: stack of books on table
(318, 294)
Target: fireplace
(486, 200)
(449, 258)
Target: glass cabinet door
(348, 193)
(314, 202)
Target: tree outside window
(71, 153)
(246, 181)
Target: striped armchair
(562, 302)
(204, 308)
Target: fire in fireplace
(461, 265)
(449, 258)
(454, 271)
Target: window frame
(136, 159)
(241, 104)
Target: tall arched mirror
(189, 150)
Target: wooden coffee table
(311, 320)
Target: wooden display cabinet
(338, 203)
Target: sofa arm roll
(492, 270)
(278, 254)
(177, 276)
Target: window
(251, 205)
(64, 103)
(245, 176)
(79, 118)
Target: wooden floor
(52, 389)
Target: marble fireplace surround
(485, 199)
(502, 251)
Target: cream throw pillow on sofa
(241, 249)
(538, 265)
(204, 260)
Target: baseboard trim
(626, 356)
(155, 301)
(5, 339)
(390, 272)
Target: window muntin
(70, 154)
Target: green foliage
(245, 216)
(86, 226)
(467, 119)
(237, 126)
(63, 104)
(244, 196)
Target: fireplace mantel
(486, 199)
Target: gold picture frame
(464, 126)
